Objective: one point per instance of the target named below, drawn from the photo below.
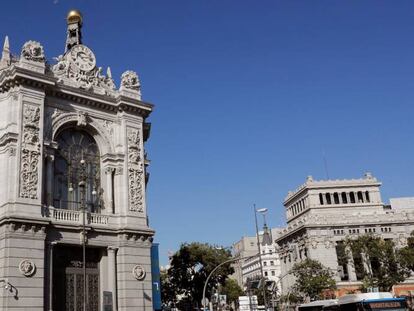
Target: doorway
(68, 278)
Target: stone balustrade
(75, 216)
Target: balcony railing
(75, 216)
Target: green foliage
(406, 254)
(312, 279)
(232, 290)
(387, 266)
(190, 266)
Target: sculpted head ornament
(130, 80)
(33, 51)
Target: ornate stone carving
(138, 272)
(108, 126)
(33, 51)
(135, 171)
(130, 80)
(30, 152)
(67, 72)
(119, 171)
(82, 118)
(27, 267)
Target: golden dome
(74, 16)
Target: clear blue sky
(249, 96)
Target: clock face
(82, 57)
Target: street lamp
(263, 212)
(82, 186)
(214, 270)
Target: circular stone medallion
(138, 272)
(27, 267)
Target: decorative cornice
(16, 76)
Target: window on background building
(367, 196)
(270, 251)
(360, 198)
(328, 198)
(264, 263)
(320, 198)
(336, 198)
(272, 263)
(265, 273)
(273, 273)
(352, 197)
(344, 198)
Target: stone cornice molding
(16, 76)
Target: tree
(406, 254)
(312, 279)
(232, 290)
(379, 263)
(190, 266)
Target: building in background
(322, 214)
(73, 174)
(248, 269)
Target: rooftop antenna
(325, 164)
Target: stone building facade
(73, 172)
(249, 268)
(322, 214)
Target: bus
(318, 305)
(369, 302)
(358, 302)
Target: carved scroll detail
(135, 171)
(30, 154)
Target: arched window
(77, 159)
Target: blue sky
(250, 96)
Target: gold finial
(74, 16)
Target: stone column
(348, 197)
(50, 178)
(109, 188)
(112, 275)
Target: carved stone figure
(33, 51)
(138, 272)
(27, 267)
(82, 119)
(130, 80)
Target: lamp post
(212, 272)
(82, 186)
(262, 211)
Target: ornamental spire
(74, 34)
(6, 56)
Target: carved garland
(135, 171)
(30, 154)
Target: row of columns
(324, 200)
(297, 207)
